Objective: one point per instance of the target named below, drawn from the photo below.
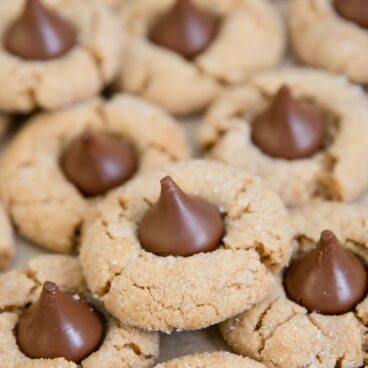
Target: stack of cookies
(262, 233)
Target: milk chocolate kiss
(185, 29)
(59, 326)
(98, 162)
(39, 34)
(179, 224)
(353, 10)
(329, 279)
(289, 128)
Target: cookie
(327, 106)
(7, 244)
(34, 78)
(324, 38)
(215, 360)
(275, 330)
(171, 286)
(47, 205)
(241, 37)
(121, 345)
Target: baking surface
(178, 343)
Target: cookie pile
(262, 235)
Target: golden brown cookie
(336, 171)
(176, 292)
(122, 345)
(281, 333)
(250, 37)
(45, 206)
(93, 62)
(323, 38)
(213, 360)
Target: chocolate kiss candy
(186, 29)
(39, 34)
(59, 325)
(98, 162)
(179, 224)
(329, 279)
(289, 129)
(353, 10)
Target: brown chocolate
(329, 279)
(59, 325)
(98, 162)
(353, 10)
(289, 128)
(179, 224)
(185, 29)
(39, 34)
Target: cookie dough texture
(251, 37)
(7, 242)
(81, 73)
(168, 293)
(322, 38)
(45, 206)
(214, 360)
(280, 333)
(123, 346)
(338, 171)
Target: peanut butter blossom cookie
(55, 53)
(213, 360)
(318, 313)
(61, 164)
(332, 34)
(186, 246)
(7, 243)
(47, 320)
(304, 131)
(180, 52)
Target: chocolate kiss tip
(90, 139)
(167, 181)
(284, 90)
(50, 287)
(87, 136)
(328, 236)
(329, 279)
(168, 184)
